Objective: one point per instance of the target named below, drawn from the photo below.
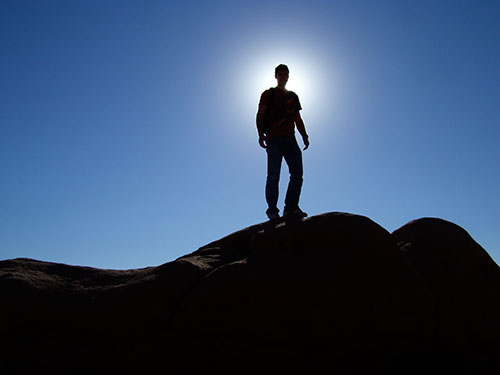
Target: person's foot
(296, 212)
(273, 214)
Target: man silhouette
(277, 117)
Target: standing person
(276, 120)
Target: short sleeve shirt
(283, 110)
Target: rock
(465, 284)
(336, 280)
(334, 291)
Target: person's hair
(281, 67)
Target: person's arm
(260, 124)
(260, 119)
(302, 129)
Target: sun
(300, 80)
(251, 72)
(305, 78)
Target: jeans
(277, 149)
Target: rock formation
(335, 291)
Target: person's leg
(293, 157)
(274, 157)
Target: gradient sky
(128, 138)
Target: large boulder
(334, 281)
(465, 284)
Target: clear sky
(127, 128)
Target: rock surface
(334, 291)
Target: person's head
(281, 74)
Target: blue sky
(128, 138)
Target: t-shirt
(282, 111)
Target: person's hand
(263, 141)
(306, 142)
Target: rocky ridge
(333, 291)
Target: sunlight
(309, 79)
(248, 70)
(302, 78)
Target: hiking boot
(273, 214)
(296, 212)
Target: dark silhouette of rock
(335, 291)
(465, 284)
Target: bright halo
(250, 71)
(304, 79)
(301, 81)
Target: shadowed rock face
(465, 284)
(334, 291)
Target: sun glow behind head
(247, 69)
(302, 79)
(255, 73)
